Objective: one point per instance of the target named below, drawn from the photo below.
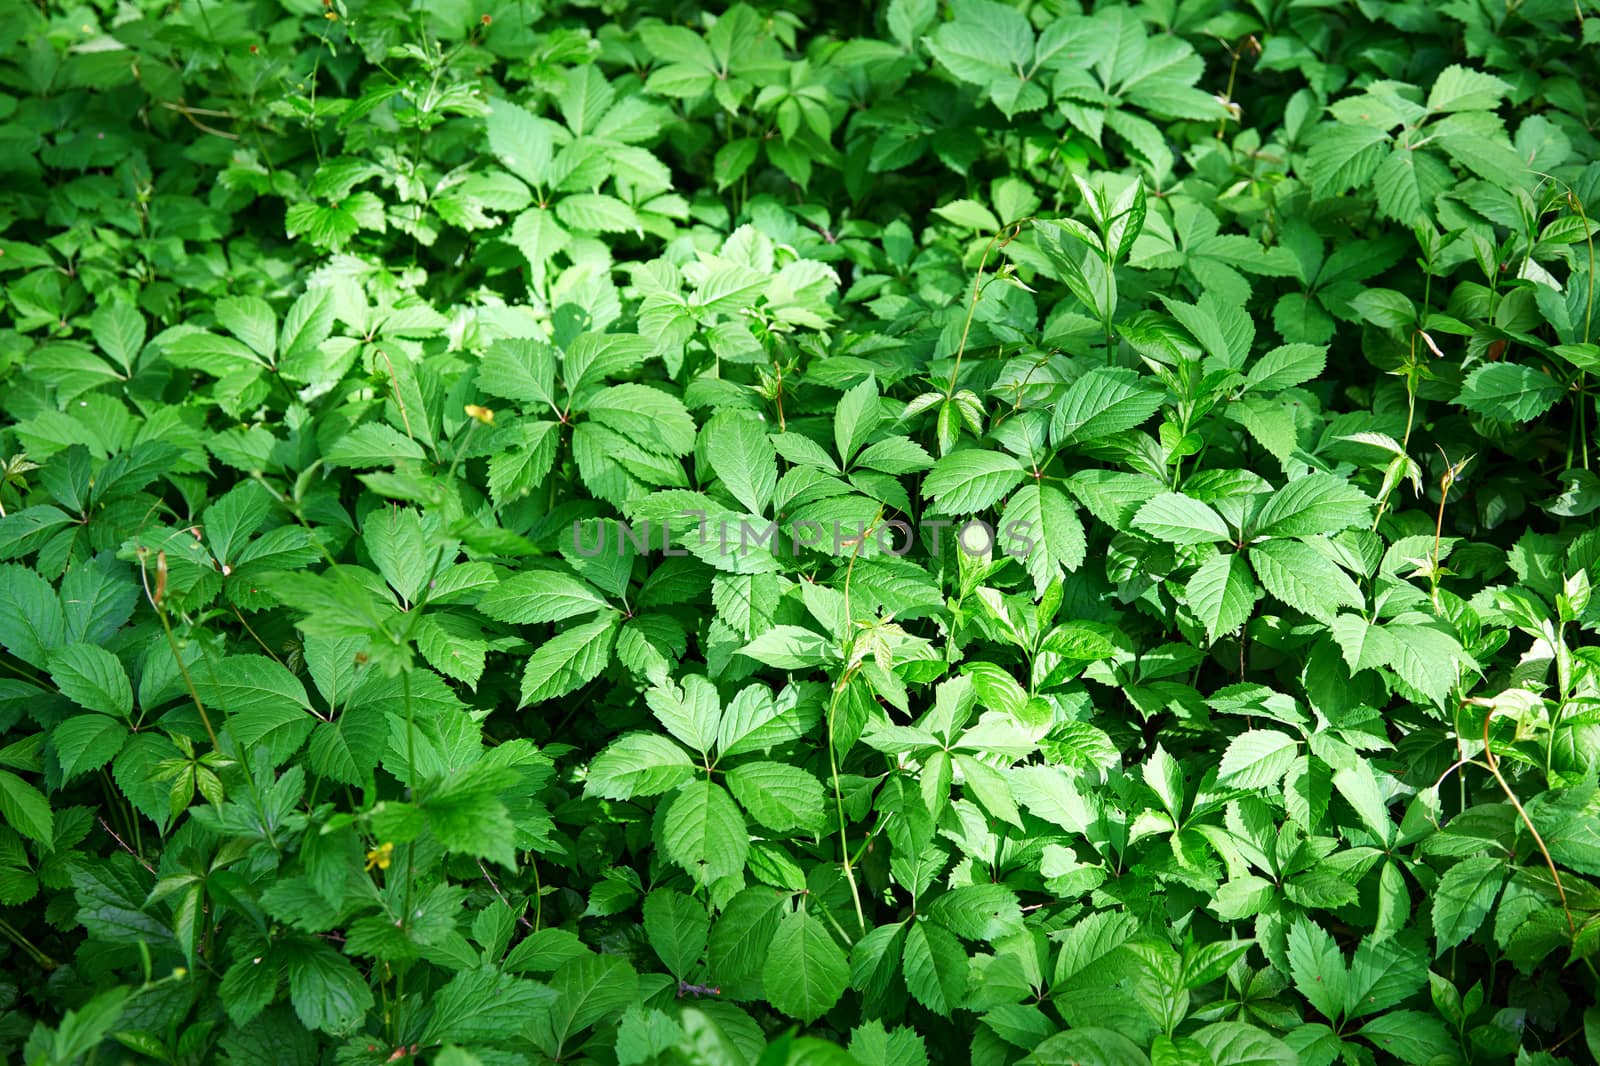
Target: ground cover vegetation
(883, 534)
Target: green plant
(975, 532)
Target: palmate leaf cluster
(934, 532)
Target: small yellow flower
(380, 856)
(482, 414)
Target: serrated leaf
(1041, 527)
(484, 1005)
(588, 989)
(93, 678)
(967, 482)
(742, 454)
(1459, 89)
(935, 966)
(1104, 401)
(677, 927)
(521, 143)
(1316, 503)
(704, 832)
(327, 991)
(778, 795)
(1257, 759)
(536, 596)
(638, 764)
(1286, 366)
(1464, 897)
(87, 742)
(1221, 593)
(25, 808)
(805, 972)
(652, 418)
(1509, 392)
(1304, 579)
(568, 660)
(1179, 519)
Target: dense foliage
(953, 532)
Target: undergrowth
(880, 534)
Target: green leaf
(738, 947)
(1359, 787)
(1179, 519)
(1408, 182)
(85, 1029)
(348, 748)
(328, 992)
(308, 323)
(1317, 967)
(1041, 528)
(1104, 401)
(1426, 658)
(743, 456)
(638, 764)
(568, 660)
(589, 989)
(1303, 578)
(468, 817)
(778, 795)
(519, 369)
(1257, 759)
(704, 832)
(895, 455)
(484, 1005)
(969, 215)
(1411, 1036)
(32, 623)
(984, 913)
(855, 419)
(87, 742)
(1089, 1046)
(536, 596)
(25, 808)
(1222, 328)
(1221, 594)
(521, 143)
(598, 213)
(967, 482)
(1509, 392)
(1460, 89)
(789, 648)
(1286, 366)
(651, 418)
(1464, 898)
(1239, 1044)
(1384, 973)
(805, 972)
(691, 712)
(372, 444)
(250, 318)
(119, 330)
(935, 966)
(990, 788)
(677, 927)
(92, 678)
(1316, 503)
(1344, 157)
